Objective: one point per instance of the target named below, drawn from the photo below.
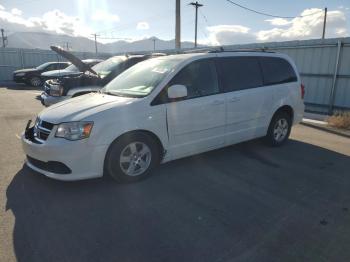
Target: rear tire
(35, 81)
(279, 129)
(131, 157)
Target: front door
(197, 122)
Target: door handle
(218, 102)
(234, 99)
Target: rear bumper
(299, 114)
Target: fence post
(20, 52)
(335, 77)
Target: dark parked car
(70, 71)
(93, 79)
(32, 76)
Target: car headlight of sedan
(56, 90)
(74, 130)
(20, 74)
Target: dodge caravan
(167, 108)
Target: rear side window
(51, 67)
(277, 70)
(61, 66)
(199, 77)
(238, 73)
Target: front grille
(47, 125)
(50, 166)
(42, 130)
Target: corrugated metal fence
(13, 58)
(323, 64)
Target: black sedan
(32, 76)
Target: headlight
(56, 90)
(20, 74)
(74, 130)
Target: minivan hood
(73, 59)
(81, 107)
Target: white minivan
(167, 108)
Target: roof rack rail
(221, 49)
(244, 50)
(200, 50)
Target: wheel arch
(141, 131)
(285, 108)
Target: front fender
(116, 122)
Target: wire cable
(266, 14)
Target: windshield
(71, 68)
(142, 78)
(43, 66)
(105, 67)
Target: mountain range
(40, 40)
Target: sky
(219, 22)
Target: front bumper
(48, 100)
(19, 79)
(83, 160)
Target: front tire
(35, 81)
(279, 129)
(131, 157)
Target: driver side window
(199, 77)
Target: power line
(267, 14)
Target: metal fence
(323, 64)
(12, 59)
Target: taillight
(302, 89)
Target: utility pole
(177, 26)
(154, 43)
(66, 45)
(95, 35)
(3, 37)
(324, 23)
(196, 5)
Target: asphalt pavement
(247, 202)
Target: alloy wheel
(135, 159)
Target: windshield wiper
(121, 94)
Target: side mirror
(177, 91)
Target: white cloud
(142, 26)
(228, 34)
(309, 25)
(279, 21)
(102, 15)
(2, 8)
(16, 11)
(53, 21)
